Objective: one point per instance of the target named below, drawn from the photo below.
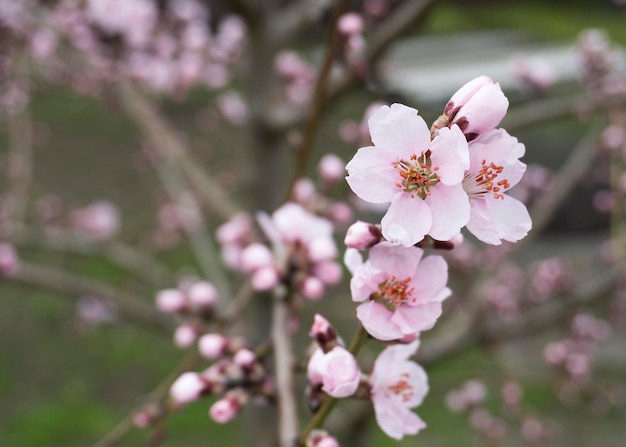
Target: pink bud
(255, 256)
(212, 346)
(202, 295)
(303, 191)
(235, 229)
(322, 248)
(187, 388)
(171, 300)
(265, 278)
(350, 23)
(328, 272)
(244, 358)
(9, 261)
(185, 335)
(341, 375)
(340, 212)
(331, 168)
(362, 235)
(476, 107)
(224, 410)
(323, 333)
(312, 288)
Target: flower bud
(255, 256)
(9, 261)
(312, 288)
(265, 278)
(331, 168)
(362, 235)
(328, 272)
(171, 301)
(185, 335)
(323, 333)
(350, 23)
(202, 295)
(476, 107)
(188, 387)
(341, 375)
(244, 358)
(225, 409)
(212, 346)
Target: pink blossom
(350, 23)
(398, 385)
(185, 335)
(224, 410)
(494, 169)
(171, 301)
(312, 288)
(476, 107)
(400, 292)
(99, 220)
(202, 295)
(265, 278)
(9, 260)
(421, 178)
(362, 235)
(336, 370)
(331, 168)
(188, 387)
(212, 346)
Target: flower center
(402, 388)
(486, 179)
(393, 292)
(418, 175)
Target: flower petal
(408, 220)
(412, 319)
(376, 319)
(429, 279)
(395, 419)
(450, 153)
(400, 129)
(371, 174)
(450, 211)
(394, 259)
(493, 220)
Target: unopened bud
(362, 235)
(202, 295)
(171, 301)
(212, 346)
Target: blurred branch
(158, 394)
(295, 17)
(130, 306)
(319, 98)
(538, 110)
(562, 184)
(20, 149)
(283, 363)
(164, 139)
(589, 290)
(114, 251)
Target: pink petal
(399, 128)
(395, 259)
(352, 259)
(450, 153)
(371, 174)
(450, 211)
(395, 419)
(429, 279)
(408, 220)
(468, 90)
(493, 220)
(376, 319)
(502, 149)
(416, 376)
(365, 282)
(411, 319)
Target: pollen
(394, 292)
(403, 388)
(417, 175)
(487, 176)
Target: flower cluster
(456, 174)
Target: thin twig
(114, 251)
(164, 138)
(130, 306)
(319, 97)
(158, 394)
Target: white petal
(400, 129)
(450, 153)
(493, 220)
(429, 279)
(371, 174)
(450, 211)
(407, 221)
(376, 320)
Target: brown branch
(589, 290)
(319, 98)
(114, 251)
(130, 306)
(295, 17)
(164, 138)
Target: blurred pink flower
(336, 370)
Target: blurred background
(66, 379)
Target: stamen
(417, 175)
(394, 292)
(403, 388)
(486, 177)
